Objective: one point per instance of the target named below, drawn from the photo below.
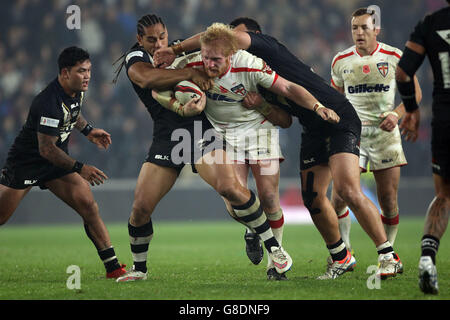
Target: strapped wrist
(87, 129)
(77, 166)
(385, 114)
(264, 108)
(318, 106)
(177, 49)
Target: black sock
(109, 259)
(139, 240)
(430, 246)
(338, 250)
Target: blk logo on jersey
(383, 68)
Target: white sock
(390, 224)
(345, 224)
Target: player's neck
(368, 50)
(66, 88)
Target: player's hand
(163, 57)
(252, 100)
(100, 137)
(328, 114)
(93, 175)
(410, 125)
(194, 106)
(390, 121)
(200, 78)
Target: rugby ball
(187, 90)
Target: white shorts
(252, 141)
(381, 148)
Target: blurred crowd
(33, 33)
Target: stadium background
(33, 32)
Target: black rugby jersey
(165, 121)
(287, 65)
(52, 112)
(433, 33)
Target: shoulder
(188, 61)
(263, 41)
(342, 56)
(245, 61)
(390, 50)
(47, 96)
(137, 54)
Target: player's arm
(303, 97)
(274, 114)
(390, 118)
(409, 63)
(97, 136)
(340, 89)
(48, 150)
(145, 75)
(193, 107)
(167, 55)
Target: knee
(270, 201)
(388, 202)
(88, 209)
(141, 212)
(349, 194)
(228, 189)
(313, 202)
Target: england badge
(383, 68)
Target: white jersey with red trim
(224, 101)
(247, 131)
(368, 81)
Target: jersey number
(445, 67)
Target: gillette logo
(363, 88)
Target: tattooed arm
(49, 151)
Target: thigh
(315, 182)
(440, 150)
(345, 171)
(153, 183)
(387, 180)
(9, 200)
(73, 190)
(215, 166)
(383, 149)
(267, 175)
(219, 172)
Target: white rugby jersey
(368, 81)
(224, 101)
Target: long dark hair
(145, 21)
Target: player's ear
(65, 73)
(377, 31)
(139, 40)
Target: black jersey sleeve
(47, 115)
(136, 54)
(420, 31)
(262, 43)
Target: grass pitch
(204, 261)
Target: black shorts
(317, 146)
(21, 176)
(440, 149)
(185, 146)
